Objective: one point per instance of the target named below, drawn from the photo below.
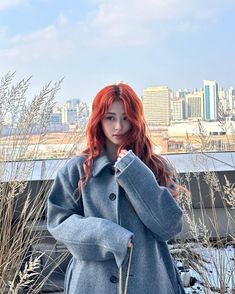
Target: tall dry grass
(208, 249)
(22, 207)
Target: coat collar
(100, 162)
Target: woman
(112, 206)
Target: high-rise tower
(210, 100)
(156, 104)
(194, 105)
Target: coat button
(112, 196)
(113, 279)
(112, 170)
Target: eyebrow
(114, 113)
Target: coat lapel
(100, 162)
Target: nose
(118, 124)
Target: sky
(92, 43)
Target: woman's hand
(122, 153)
(174, 193)
(172, 187)
(130, 244)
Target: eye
(110, 118)
(125, 118)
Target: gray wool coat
(117, 204)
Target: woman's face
(115, 125)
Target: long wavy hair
(136, 138)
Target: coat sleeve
(87, 238)
(154, 204)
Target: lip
(119, 135)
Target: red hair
(136, 139)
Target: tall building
(178, 109)
(231, 98)
(156, 104)
(223, 99)
(69, 115)
(72, 103)
(210, 100)
(181, 93)
(56, 116)
(70, 111)
(194, 105)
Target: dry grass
(211, 249)
(21, 207)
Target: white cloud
(5, 4)
(187, 26)
(42, 53)
(49, 42)
(137, 22)
(3, 32)
(62, 20)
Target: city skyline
(162, 106)
(175, 43)
(175, 92)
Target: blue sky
(91, 43)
